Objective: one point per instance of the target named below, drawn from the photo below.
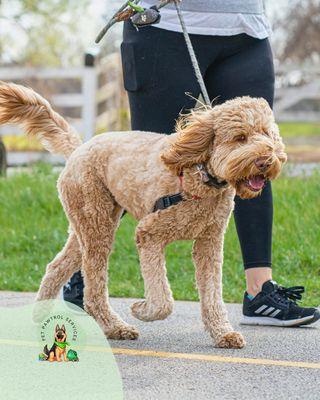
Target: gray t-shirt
(217, 17)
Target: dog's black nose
(262, 163)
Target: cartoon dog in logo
(58, 351)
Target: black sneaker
(73, 290)
(276, 305)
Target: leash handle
(193, 56)
(114, 20)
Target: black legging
(158, 73)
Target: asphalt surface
(167, 370)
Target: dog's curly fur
(131, 170)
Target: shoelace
(293, 293)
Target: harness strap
(167, 201)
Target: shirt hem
(215, 31)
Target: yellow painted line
(182, 356)
(215, 358)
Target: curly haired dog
(215, 153)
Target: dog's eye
(240, 138)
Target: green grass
(33, 230)
(299, 129)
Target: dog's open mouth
(254, 183)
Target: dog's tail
(23, 106)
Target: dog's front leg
(159, 300)
(208, 259)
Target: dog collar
(207, 179)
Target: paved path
(174, 359)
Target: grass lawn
(299, 129)
(33, 230)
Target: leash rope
(194, 60)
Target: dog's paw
(149, 312)
(231, 340)
(122, 332)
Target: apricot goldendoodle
(215, 153)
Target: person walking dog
(230, 38)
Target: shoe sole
(267, 321)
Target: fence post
(89, 91)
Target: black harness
(207, 179)
(167, 201)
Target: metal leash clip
(208, 179)
(202, 172)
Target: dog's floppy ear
(57, 328)
(195, 133)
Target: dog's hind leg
(159, 300)
(94, 216)
(58, 271)
(208, 259)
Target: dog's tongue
(256, 182)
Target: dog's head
(238, 141)
(60, 334)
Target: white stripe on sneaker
(268, 311)
(274, 313)
(260, 309)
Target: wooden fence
(93, 100)
(297, 96)
(91, 96)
